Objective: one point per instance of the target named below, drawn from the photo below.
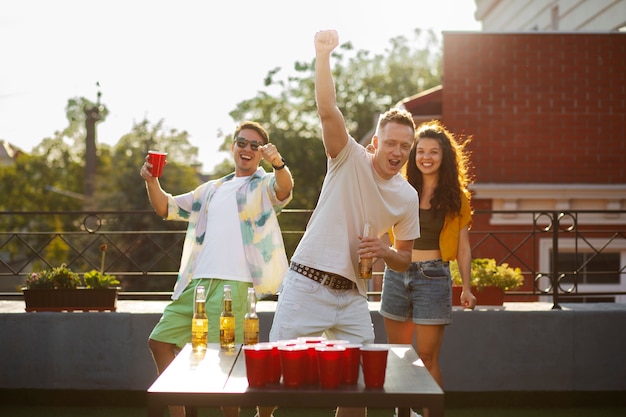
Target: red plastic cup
(330, 359)
(157, 159)
(293, 361)
(374, 360)
(275, 372)
(351, 363)
(312, 376)
(257, 357)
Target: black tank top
(431, 223)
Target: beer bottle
(199, 322)
(365, 264)
(227, 321)
(251, 321)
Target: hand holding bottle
(365, 261)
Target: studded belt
(334, 281)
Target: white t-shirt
(352, 194)
(222, 254)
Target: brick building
(547, 117)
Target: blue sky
(188, 62)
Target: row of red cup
(313, 361)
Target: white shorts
(308, 308)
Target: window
(590, 268)
(599, 265)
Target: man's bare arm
(334, 131)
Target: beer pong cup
(293, 361)
(374, 360)
(157, 159)
(312, 376)
(330, 359)
(351, 363)
(274, 372)
(257, 358)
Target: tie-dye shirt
(258, 209)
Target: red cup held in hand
(157, 159)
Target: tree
(366, 86)
(122, 188)
(51, 179)
(119, 178)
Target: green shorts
(175, 323)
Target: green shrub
(95, 279)
(58, 277)
(485, 273)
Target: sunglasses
(243, 142)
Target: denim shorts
(422, 294)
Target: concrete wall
(486, 350)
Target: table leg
(436, 411)
(191, 411)
(404, 412)
(155, 410)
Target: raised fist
(326, 41)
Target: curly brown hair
(454, 177)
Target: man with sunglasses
(233, 238)
(321, 293)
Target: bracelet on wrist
(278, 168)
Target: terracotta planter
(487, 296)
(66, 299)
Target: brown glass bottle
(365, 264)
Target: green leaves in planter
(63, 277)
(95, 279)
(58, 277)
(98, 279)
(486, 273)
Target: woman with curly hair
(418, 303)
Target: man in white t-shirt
(321, 293)
(233, 238)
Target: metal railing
(573, 255)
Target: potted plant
(488, 280)
(60, 277)
(61, 289)
(98, 279)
